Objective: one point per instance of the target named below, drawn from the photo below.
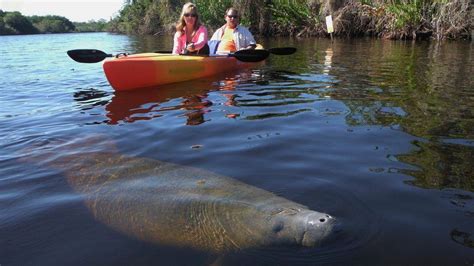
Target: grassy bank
(393, 19)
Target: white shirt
(242, 36)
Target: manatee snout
(317, 228)
(303, 227)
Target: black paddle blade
(87, 55)
(251, 55)
(282, 50)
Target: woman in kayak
(191, 35)
(232, 37)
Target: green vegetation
(15, 23)
(52, 24)
(91, 26)
(412, 19)
(12, 23)
(394, 19)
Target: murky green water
(379, 134)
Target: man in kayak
(190, 36)
(231, 37)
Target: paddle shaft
(95, 56)
(276, 51)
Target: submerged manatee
(183, 206)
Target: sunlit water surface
(379, 134)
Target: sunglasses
(232, 16)
(190, 15)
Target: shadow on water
(90, 98)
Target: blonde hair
(188, 8)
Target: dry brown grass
(453, 20)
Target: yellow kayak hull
(153, 69)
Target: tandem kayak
(153, 69)
(128, 72)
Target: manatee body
(187, 207)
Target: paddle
(95, 56)
(250, 55)
(242, 55)
(276, 51)
(258, 55)
(282, 50)
(87, 55)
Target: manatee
(183, 206)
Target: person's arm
(177, 46)
(245, 39)
(251, 43)
(200, 38)
(215, 40)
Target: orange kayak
(147, 70)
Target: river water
(377, 133)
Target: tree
(19, 23)
(52, 24)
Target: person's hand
(250, 47)
(190, 47)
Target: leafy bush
(52, 24)
(91, 26)
(19, 23)
(16, 23)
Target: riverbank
(391, 19)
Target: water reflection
(424, 89)
(328, 61)
(441, 165)
(463, 238)
(427, 88)
(148, 104)
(258, 94)
(464, 203)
